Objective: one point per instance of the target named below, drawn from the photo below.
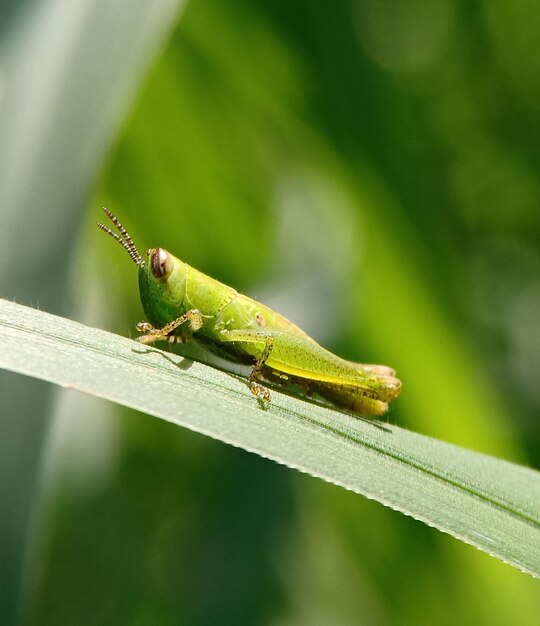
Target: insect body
(182, 303)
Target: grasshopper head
(162, 282)
(161, 277)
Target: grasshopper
(181, 303)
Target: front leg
(193, 316)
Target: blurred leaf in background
(370, 170)
(67, 72)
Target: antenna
(124, 239)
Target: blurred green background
(369, 169)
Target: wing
(301, 357)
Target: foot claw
(144, 327)
(261, 392)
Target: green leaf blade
(491, 504)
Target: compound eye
(161, 262)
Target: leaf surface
(488, 503)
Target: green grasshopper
(182, 303)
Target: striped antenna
(124, 239)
